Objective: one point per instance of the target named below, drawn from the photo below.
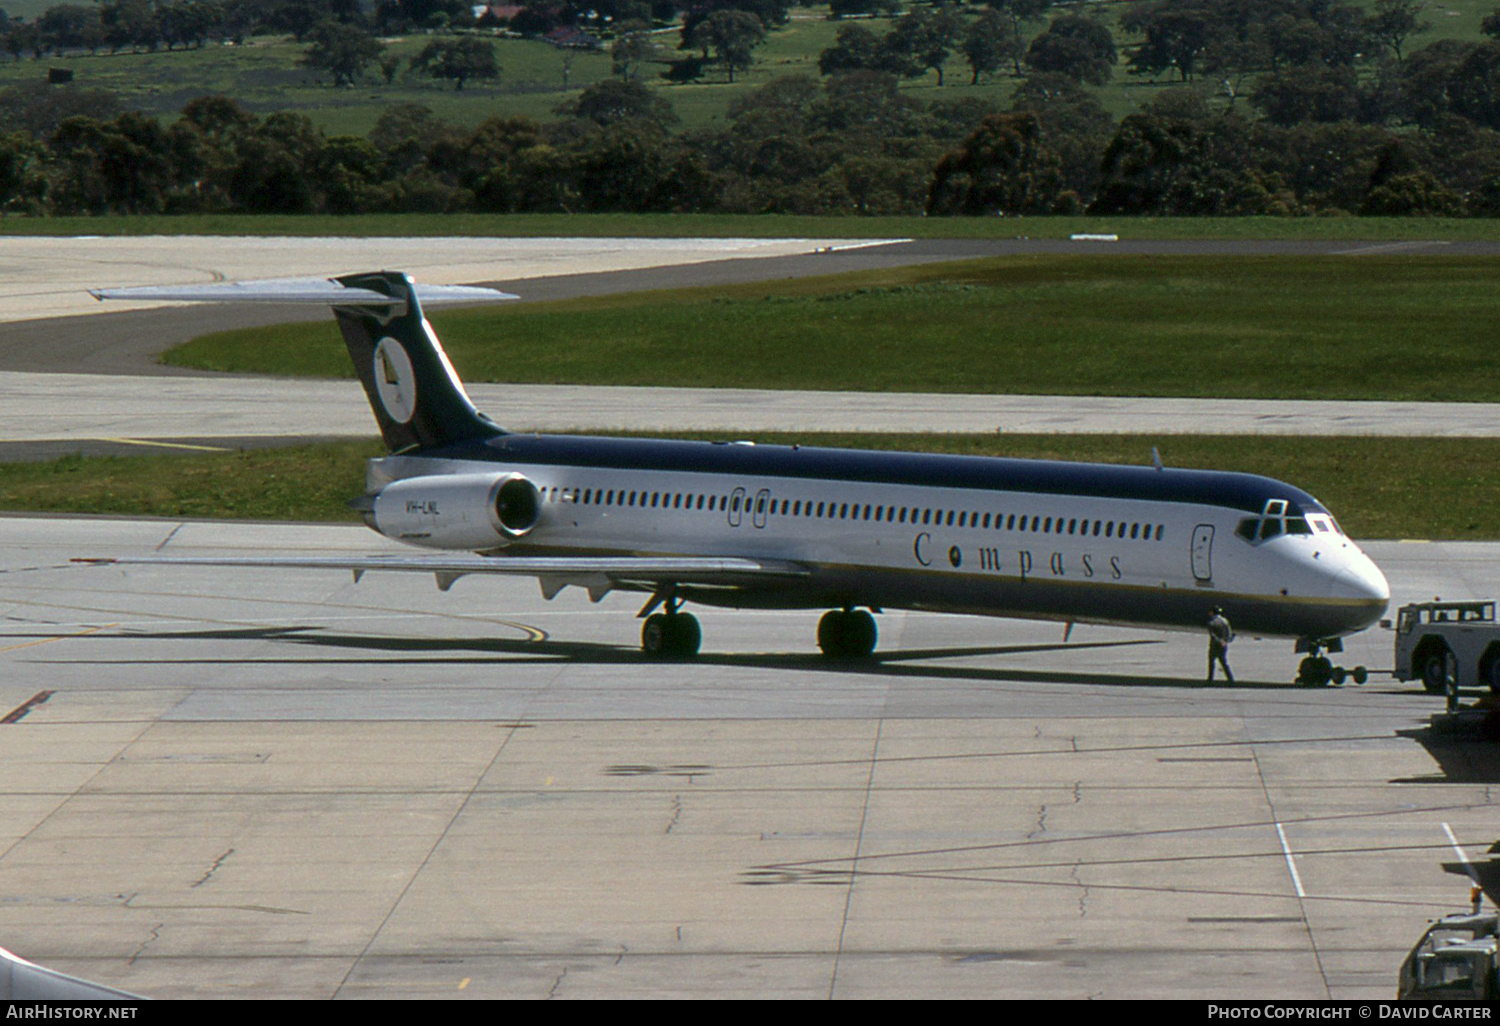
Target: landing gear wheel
(1338, 675)
(1361, 675)
(847, 634)
(1315, 672)
(671, 636)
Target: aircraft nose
(1362, 582)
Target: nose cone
(1361, 584)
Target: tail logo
(395, 380)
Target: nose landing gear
(846, 634)
(1318, 671)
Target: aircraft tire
(847, 634)
(686, 635)
(671, 636)
(1361, 675)
(654, 636)
(1315, 672)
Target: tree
(22, 37)
(855, 47)
(1020, 13)
(926, 37)
(1394, 21)
(732, 35)
(1080, 48)
(633, 48)
(1417, 194)
(70, 27)
(188, 21)
(21, 182)
(343, 51)
(1001, 168)
(1309, 92)
(277, 167)
(122, 166)
(129, 23)
(1076, 126)
(458, 59)
(989, 42)
(1425, 79)
(1175, 38)
(615, 100)
(1474, 86)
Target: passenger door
(762, 499)
(1203, 544)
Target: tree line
(1291, 107)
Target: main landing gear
(847, 634)
(673, 634)
(1318, 671)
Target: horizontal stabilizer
(298, 290)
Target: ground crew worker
(1220, 634)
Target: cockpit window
(1278, 517)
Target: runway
(251, 784)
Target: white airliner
(760, 526)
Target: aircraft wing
(599, 574)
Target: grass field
(1247, 327)
(1340, 229)
(1379, 488)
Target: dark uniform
(1220, 634)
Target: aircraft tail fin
(416, 396)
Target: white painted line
(1291, 863)
(1468, 867)
(840, 247)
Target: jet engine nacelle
(457, 511)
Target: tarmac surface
(236, 783)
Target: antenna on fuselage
(1156, 459)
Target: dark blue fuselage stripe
(1247, 492)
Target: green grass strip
(1379, 327)
(1379, 488)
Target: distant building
(567, 37)
(488, 15)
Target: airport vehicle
(1455, 959)
(753, 526)
(1436, 640)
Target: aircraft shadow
(896, 664)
